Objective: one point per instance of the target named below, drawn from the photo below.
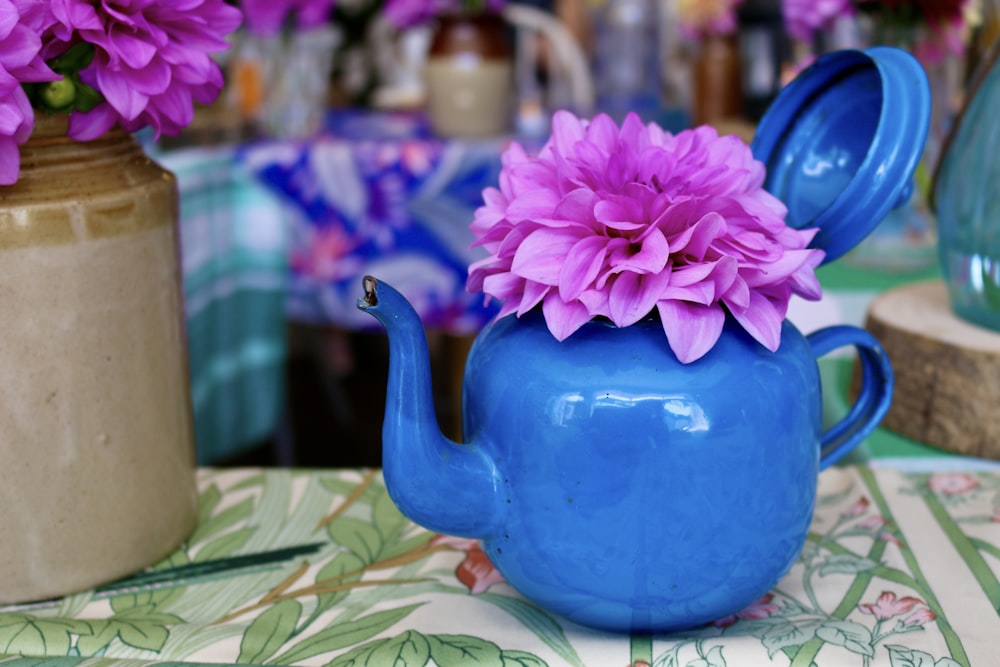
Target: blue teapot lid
(842, 140)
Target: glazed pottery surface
(469, 76)
(611, 483)
(96, 441)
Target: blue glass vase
(967, 201)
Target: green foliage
(413, 649)
(139, 627)
(342, 635)
(269, 632)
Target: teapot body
(639, 493)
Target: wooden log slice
(947, 392)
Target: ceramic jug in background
(96, 439)
(469, 76)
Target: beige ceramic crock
(96, 438)
(469, 76)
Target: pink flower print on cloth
(888, 605)
(952, 483)
(476, 571)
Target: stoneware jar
(96, 445)
(613, 484)
(469, 76)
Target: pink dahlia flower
(268, 17)
(408, 13)
(617, 223)
(803, 18)
(20, 61)
(700, 18)
(152, 59)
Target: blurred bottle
(627, 58)
(763, 48)
(967, 201)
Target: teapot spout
(444, 486)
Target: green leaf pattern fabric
(307, 567)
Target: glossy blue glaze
(842, 140)
(607, 481)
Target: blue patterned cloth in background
(375, 193)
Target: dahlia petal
(134, 51)
(562, 318)
(761, 320)
(540, 255)
(15, 110)
(154, 79)
(652, 256)
(596, 302)
(738, 294)
(20, 47)
(503, 286)
(9, 19)
(10, 160)
(79, 15)
(535, 203)
(779, 270)
(532, 296)
(703, 293)
(577, 205)
(582, 265)
(618, 212)
(633, 296)
(175, 105)
(87, 126)
(692, 329)
(703, 233)
(567, 130)
(118, 92)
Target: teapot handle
(874, 398)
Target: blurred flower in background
(408, 13)
(269, 17)
(698, 18)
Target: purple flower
(804, 17)
(152, 60)
(20, 61)
(408, 13)
(267, 17)
(616, 222)
(699, 18)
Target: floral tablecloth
(376, 193)
(316, 567)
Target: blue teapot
(618, 487)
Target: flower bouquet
(616, 223)
(125, 63)
(932, 29)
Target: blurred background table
(234, 258)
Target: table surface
(317, 567)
